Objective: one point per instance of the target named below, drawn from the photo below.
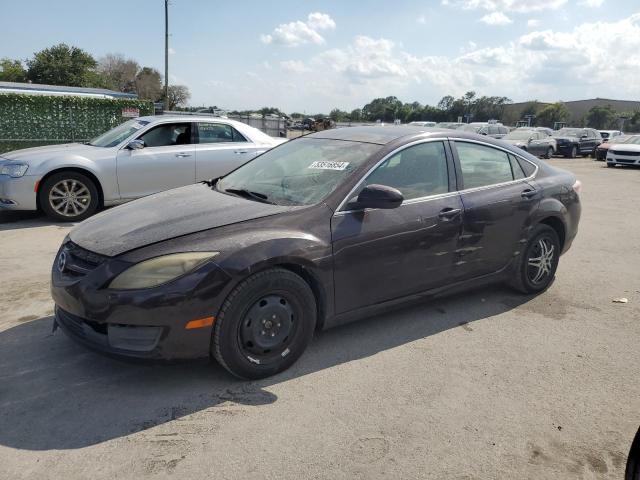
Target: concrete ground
(487, 384)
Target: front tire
(68, 197)
(574, 152)
(549, 153)
(265, 324)
(538, 262)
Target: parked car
(137, 158)
(626, 153)
(493, 130)
(320, 230)
(608, 135)
(423, 124)
(536, 142)
(577, 141)
(449, 125)
(603, 148)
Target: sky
(312, 57)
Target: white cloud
(533, 22)
(517, 6)
(298, 33)
(294, 66)
(591, 3)
(496, 18)
(422, 20)
(171, 51)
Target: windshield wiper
(243, 192)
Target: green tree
(383, 109)
(356, 115)
(12, 71)
(554, 112)
(62, 65)
(149, 84)
(179, 95)
(601, 117)
(338, 115)
(118, 72)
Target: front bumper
(565, 148)
(622, 159)
(146, 323)
(18, 193)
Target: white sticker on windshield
(325, 165)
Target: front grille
(625, 160)
(625, 154)
(79, 262)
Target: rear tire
(537, 264)
(68, 197)
(265, 324)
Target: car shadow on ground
(55, 394)
(22, 219)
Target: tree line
(71, 66)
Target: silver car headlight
(159, 270)
(14, 170)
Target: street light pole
(166, 55)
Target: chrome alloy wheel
(540, 263)
(69, 198)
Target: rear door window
(218, 133)
(482, 165)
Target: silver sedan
(137, 158)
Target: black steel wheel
(265, 324)
(538, 262)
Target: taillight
(577, 186)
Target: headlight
(14, 170)
(159, 270)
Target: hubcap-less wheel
(549, 152)
(69, 198)
(540, 261)
(267, 329)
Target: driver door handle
(183, 154)
(449, 213)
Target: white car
(423, 124)
(137, 158)
(627, 153)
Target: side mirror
(582, 137)
(377, 196)
(135, 145)
(530, 140)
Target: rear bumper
(18, 193)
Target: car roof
(379, 134)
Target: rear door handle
(182, 154)
(241, 151)
(528, 193)
(449, 213)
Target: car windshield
(635, 140)
(300, 172)
(116, 135)
(568, 132)
(518, 135)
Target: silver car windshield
(300, 172)
(118, 134)
(518, 135)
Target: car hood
(625, 147)
(35, 155)
(166, 215)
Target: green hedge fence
(33, 120)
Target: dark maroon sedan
(320, 230)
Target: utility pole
(166, 55)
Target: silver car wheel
(69, 198)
